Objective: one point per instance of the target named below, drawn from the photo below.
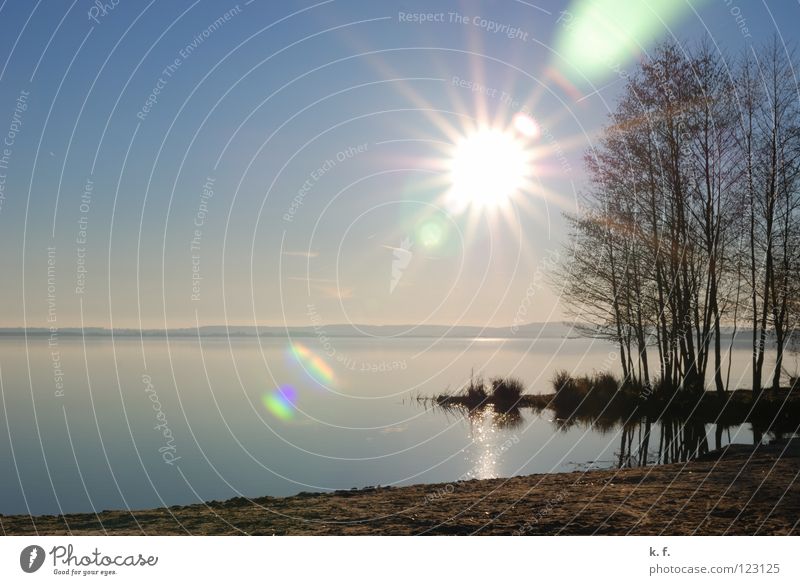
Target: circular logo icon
(31, 558)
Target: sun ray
(486, 168)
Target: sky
(168, 164)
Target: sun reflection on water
(484, 436)
(490, 431)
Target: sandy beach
(738, 491)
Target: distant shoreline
(548, 330)
(739, 490)
(528, 331)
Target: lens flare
(597, 37)
(430, 234)
(525, 125)
(432, 228)
(281, 402)
(312, 363)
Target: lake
(101, 424)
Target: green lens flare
(596, 38)
(430, 234)
(281, 402)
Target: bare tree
(769, 138)
(692, 208)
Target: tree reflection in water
(642, 441)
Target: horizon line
(61, 329)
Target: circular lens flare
(525, 125)
(487, 168)
(431, 234)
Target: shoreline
(738, 490)
(769, 409)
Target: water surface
(139, 424)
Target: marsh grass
(507, 392)
(602, 400)
(475, 391)
(600, 394)
(504, 394)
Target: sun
(487, 168)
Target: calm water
(355, 420)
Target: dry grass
(742, 493)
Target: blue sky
(250, 108)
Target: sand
(736, 491)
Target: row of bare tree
(691, 225)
